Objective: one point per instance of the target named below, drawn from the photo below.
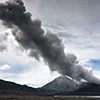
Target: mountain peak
(60, 84)
(64, 79)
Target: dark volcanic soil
(19, 95)
(30, 97)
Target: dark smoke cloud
(32, 38)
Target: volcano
(60, 84)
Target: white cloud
(97, 73)
(5, 67)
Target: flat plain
(33, 97)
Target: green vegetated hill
(11, 86)
(60, 84)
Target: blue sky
(76, 22)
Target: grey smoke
(32, 38)
(3, 39)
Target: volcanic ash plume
(32, 37)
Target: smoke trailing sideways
(32, 37)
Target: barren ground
(30, 97)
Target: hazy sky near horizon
(76, 22)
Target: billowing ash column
(30, 36)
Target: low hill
(11, 86)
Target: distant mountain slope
(60, 84)
(87, 89)
(10, 86)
